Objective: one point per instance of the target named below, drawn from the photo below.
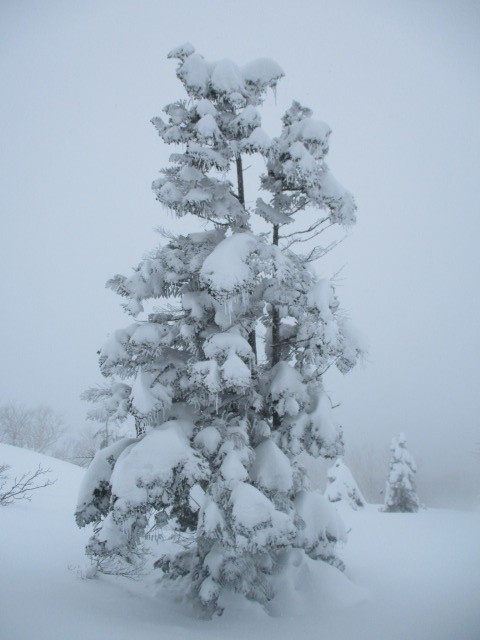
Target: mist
(398, 84)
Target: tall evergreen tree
(400, 492)
(225, 382)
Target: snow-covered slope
(412, 577)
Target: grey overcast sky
(398, 82)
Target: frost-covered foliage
(225, 380)
(400, 491)
(342, 486)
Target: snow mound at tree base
(421, 572)
(301, 585)
(304, 585)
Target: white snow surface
(207, 127)
(208, 439)
(235, 372)
(100, 471)
(146, 466)
(287, 388)
(226, 343)
(262, 71)
(224, 76)
(271, 468)
(412, 576)
(183, 51)
(147, 396)
(257, 519)
(258, 140)
(318, 516)
(226, 270)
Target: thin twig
(22, 487)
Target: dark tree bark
(252, 336)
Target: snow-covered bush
(225, 380)
(342, 486)
(400, 491)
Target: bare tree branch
(309, 229)
(318, 252)
(23, 486)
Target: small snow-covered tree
(342, 486)
(225, 379)
(400, 491)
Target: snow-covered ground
(409, 577)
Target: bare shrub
(21, 488)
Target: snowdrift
(414, 576)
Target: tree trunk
(276, 352)
(252, 336)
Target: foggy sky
(399, 85)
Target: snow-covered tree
(225, 379)
(342, 486)
(400, 491)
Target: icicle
(241, 300)
(228, 307)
